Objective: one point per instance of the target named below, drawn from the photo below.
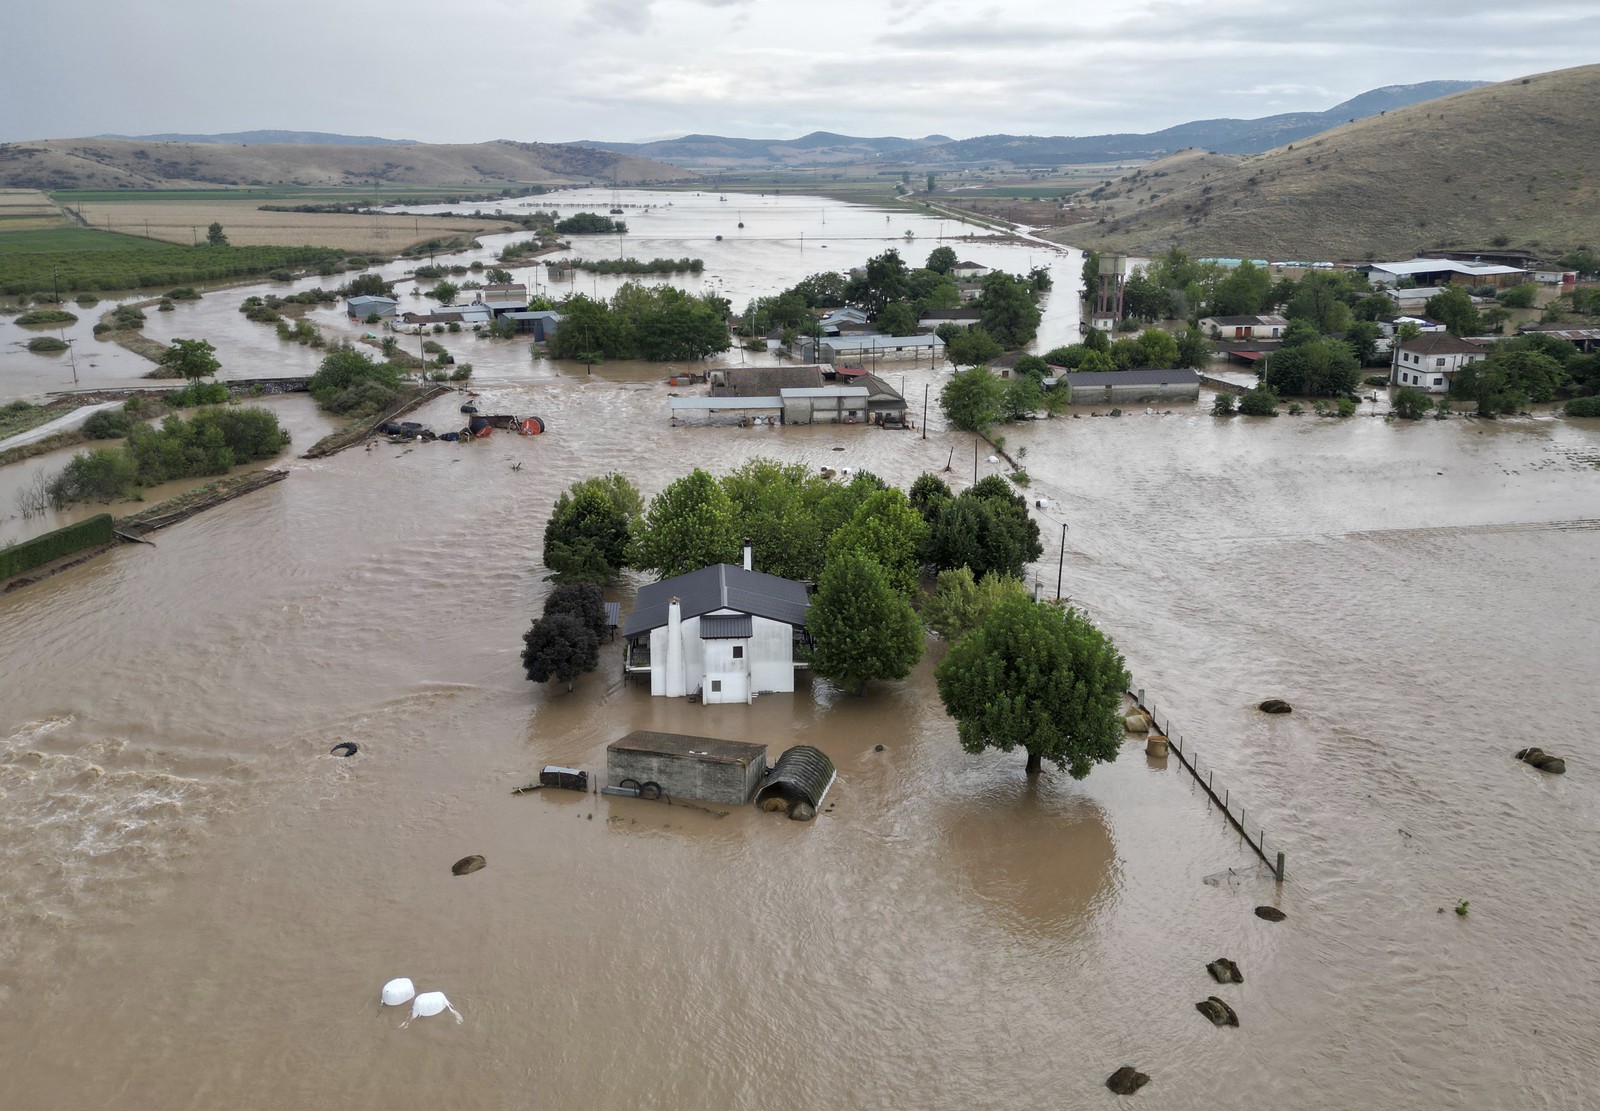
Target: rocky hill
(820, 148)
(139, 164)
(1509, 164)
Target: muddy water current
(198, 904)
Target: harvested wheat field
(27, 209)
(186, 221)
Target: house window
(716, 686)
(1438, 362)
(1438, 381)
(738, 651)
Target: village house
(931, 319)
(504, 298)
(1430, 361)
(359, 308)
(846, 319)
(831, 349)
(969, 271)
(541, 324)
(725, 633)
(1138, 386)
(1244, 327)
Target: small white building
(1245, 327)
(366, 305)
(969, 271)
(930, 319)
(725, 633)
(1430, 361)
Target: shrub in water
(108, 424)
(1584, 407)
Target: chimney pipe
(747, 566)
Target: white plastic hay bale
(431, 1003)
(398, 991)
(993, 459)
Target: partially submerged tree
(863, 627)
(582, 601)
(972, 399)
(587, 537)
(193, 359)
(960, 602)
(1039, 678)
(559, 647)
(689, 525)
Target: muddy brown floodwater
(198, 905)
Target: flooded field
(198, 905)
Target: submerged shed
(802, 774)
(681, 766)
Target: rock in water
(1542, 760)
(1224, 971)
(1271, 914)
(802, 812)
(1127, 1080)
(1217, 1011)
(1275, 706)
(468, 865)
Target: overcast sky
(547, 71)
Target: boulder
(1217, 1011)
(802, 812)
(468, 865)
(1224, 971)
(1127, 1080)
(1275, 706)
(1271, 914)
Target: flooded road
(198, 905)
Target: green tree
(1319, 299)
(941, 260)
(1321, 368)
(1362, 338)
(689, 525)
(559, 647)
(367, 285)
(929, 492)
(972, 399)
(1411, 404)
(897, 319)
(988, 534)
(1023, 397)
(1454, 309)
(886, 529)
(775, 507)
(496, 275)
(862, 627)
(1157, 348)
(445, 292)
(1007, 309)
(1259, 402)
(930, 181)
(588, 535)
(973, 347)
(215, 236)
(1518, 296)
(960, 602)
(1194, 350)
(1091, 276)
(193, 359)
(1243, 292)
(345, 369)
(1038, 678)
(582, 601)
(882, 281)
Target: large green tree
(973, 347)
(1454, 309)
(960, 602)
(886, 529)
(984, 534)
(588, 534)
(1039, 678)
(689, 525)
(972, 399)
(941, 260)
(774, 506)
(1320, 368)
(882, 282)
(193, 359)
(559, 647)
(1007, 309)
(1243, 292)
(862, 627)
(897, 319)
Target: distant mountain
(270, 138)
(712, 152)
(1493, 166)
(1226, 136)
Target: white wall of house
(1432, 373)
(764, 663)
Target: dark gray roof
(706, 749)
(613, 614)
(720, 586)
(1236, 321)
(1144, 376)
(766, 381)
(739, 626)
(803, 773)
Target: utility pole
(925, 410)
(974, 458)
(1062, 560)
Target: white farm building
(724, 632)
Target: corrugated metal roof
(879, 343)
(1144, 376)
(739, 626)
(613, 614)
(715, 403)
(718, 587)
(802, 773)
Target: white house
(724, 632)
(1245, 327)
(961, 318)
(1430, 361)
(969, 271)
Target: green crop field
(69, 240)
(298, 194)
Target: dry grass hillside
(1512, 164)
(124, 164)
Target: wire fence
(1217, 790)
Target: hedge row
(53, 545)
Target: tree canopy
(689, 525)
(863, 628)
(588, 535)
(1039, 678)
(971, 399)
(559, 647)
(1007, 309)
(193, 359)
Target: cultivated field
(184, 220)
(28, 210)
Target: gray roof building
(722, 586)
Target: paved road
(72, 420)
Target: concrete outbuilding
(681, 766)
(1127, 387)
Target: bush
(53, 545)
(347, 367)
(100, 475)
(1410, 404)
(47, 343)
(48, 316)
(87, 300)
(1377, 381)
(454, 326)
(1223, 406)
(362, 399)
(374, 318)
(1518, 296)
(1347, 407)
(1259, 402)
(461, 373)
(199, 393)
(164, 306)
(184, 293)
(1295, 408)
(108, 424)
(1584, 407)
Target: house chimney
(676, 683)
(747, 566)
